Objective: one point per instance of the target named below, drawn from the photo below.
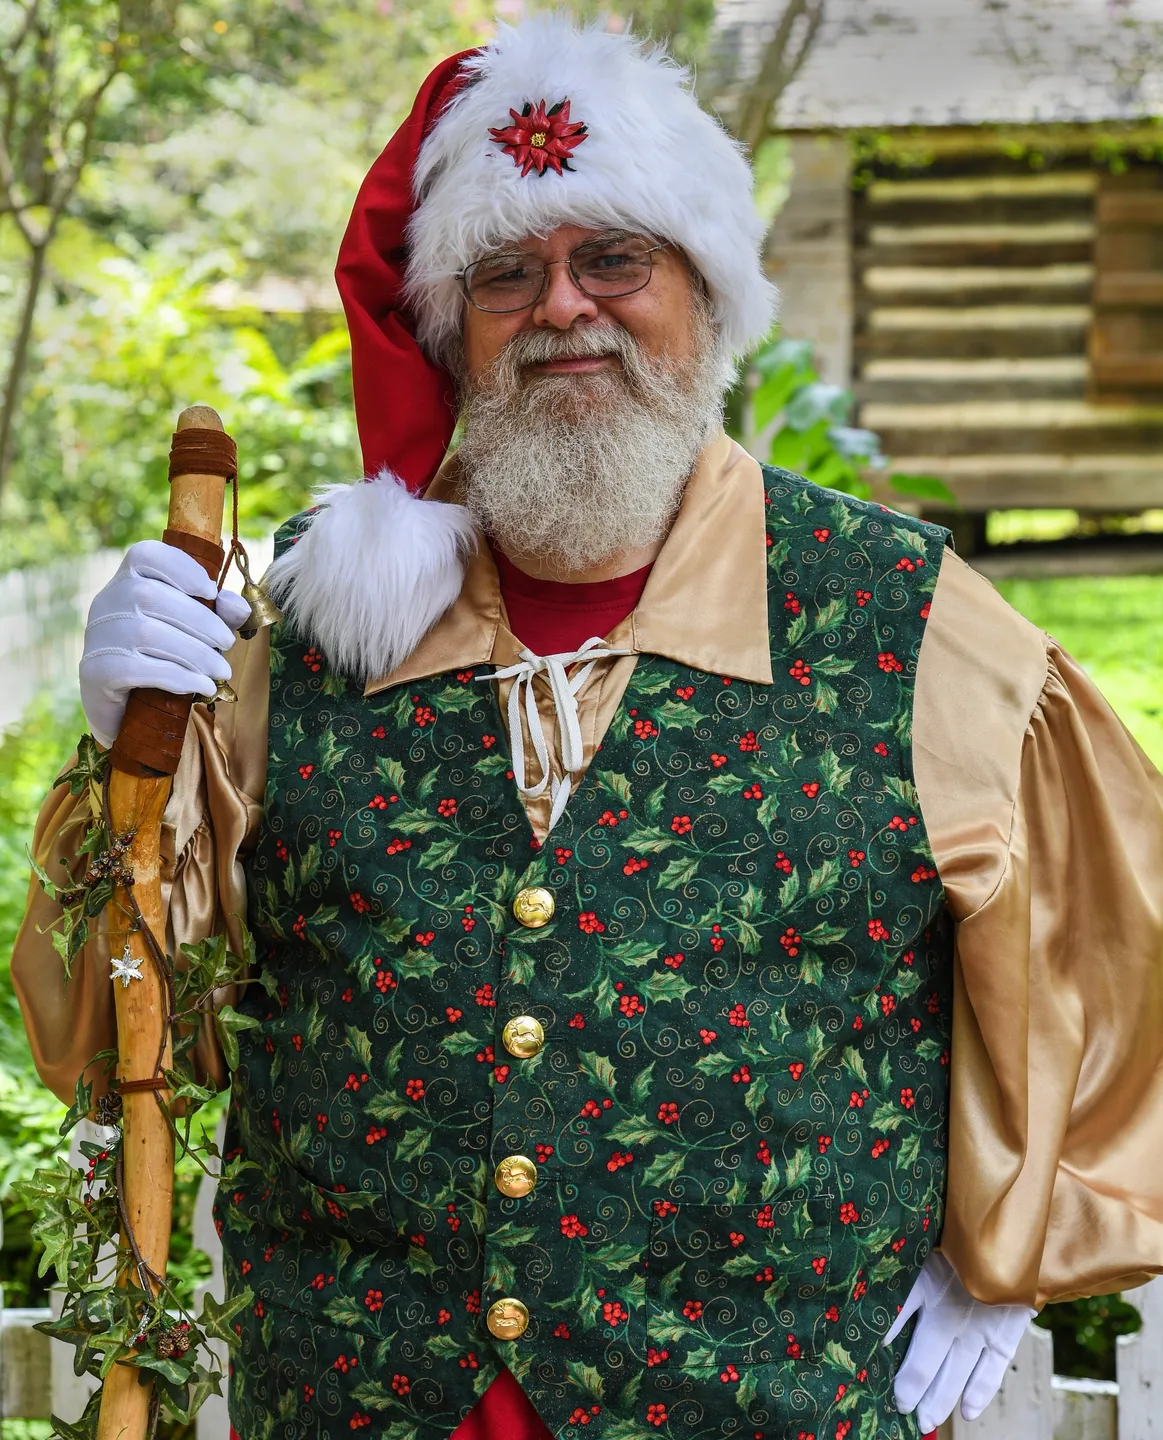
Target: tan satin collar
(705, 603)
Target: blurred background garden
(972, 262)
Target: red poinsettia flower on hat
(540, 139)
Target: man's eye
(497, 275)
(610, 260)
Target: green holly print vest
(735, 1127)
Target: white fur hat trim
(651, 160)
(375, 570)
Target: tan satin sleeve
(210, 823)
(1046, 821)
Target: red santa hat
(547, 125)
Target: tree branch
(780, 65)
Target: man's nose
(562, 302)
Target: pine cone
(173, 1343)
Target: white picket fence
(42, 622)
(36, 1374)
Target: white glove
(958, 1345)
(144, 629)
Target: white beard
(577, 469)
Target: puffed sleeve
(1046, 821)
(210, 823)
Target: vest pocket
(741, 1285)
(362, 1216)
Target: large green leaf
(664, 1168)
(216, 1315)
(598, 1068)
(586, 1378)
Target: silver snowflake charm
(125, 968)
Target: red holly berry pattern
(738, 1117)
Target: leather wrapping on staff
(199, 451)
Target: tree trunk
(19, 361)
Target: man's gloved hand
(960, 1347)
(146, 628)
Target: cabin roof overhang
(1142, 139)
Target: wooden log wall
(974, 284)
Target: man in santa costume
(691, 896)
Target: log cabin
(973, 238)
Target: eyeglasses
(602, 269)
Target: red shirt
(552, 618)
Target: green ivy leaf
(201, 1385)
(82, 1104)
(217, 1314)
(228, 1022)
(85, 1428)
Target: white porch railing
(36, 1374)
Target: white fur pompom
(373, 573)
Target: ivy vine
(82, 1220)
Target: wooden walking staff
(143, 761)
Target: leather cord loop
(197, 451)
(152, 1082)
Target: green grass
(1113, 627)
(1004, 527)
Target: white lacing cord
(563, 688)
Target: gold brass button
(523, 1036)
(507, 1319)
(515, 1176)
(534, 907)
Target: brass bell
(224, 695)
(263, 610)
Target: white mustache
(536, 347)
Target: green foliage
(56, 1216)
(76, 1215)
(1085, 1332)
(786, 415)
(1111, 626)
(138, 344)
(233, 155)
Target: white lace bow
(563, 689)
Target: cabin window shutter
(1126, 337)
